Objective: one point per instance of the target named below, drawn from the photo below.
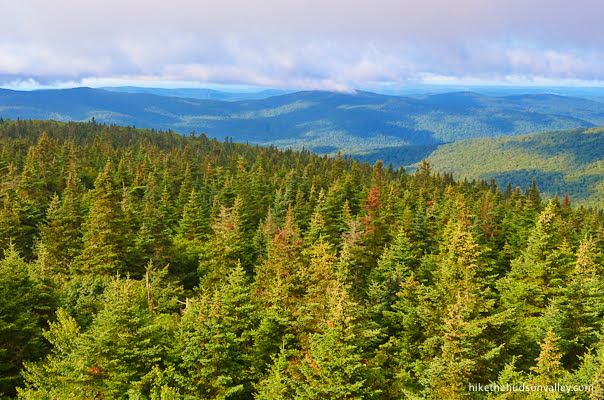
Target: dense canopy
(148, 265)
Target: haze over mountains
(360, 123)
(196, 93)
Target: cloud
(305, 44)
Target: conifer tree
(332, 368)
(458, 317)
(536, 277)
(318, 224)
(153, 240)
(575, 316)
(399, 260)
(330, 363)
(192, 224)
(277, 279)
(106, 238)
(223, 251)
(548, 371)
(9, 225)
(276, 384)
(186, 187)
(373, 239)
(534, 196)
(188, 241)
(26, 303)
(217, 339)
(114, 356)
(61, 235)
(279, 289)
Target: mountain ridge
(561, 161)
(356, 123)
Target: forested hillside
(569, 161)
(361, 124)
(148, 265)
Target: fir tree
(61, 236)
(9, 225)
(26, 303)
(536, 277)
(106, 240)
(216, 335)
(114, 355)
(224, 249)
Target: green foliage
(361, 123)
(204, 269)
(26, 304)
(216, 337)
(110, 358)
(106, 238)
(562, 162)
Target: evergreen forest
(562, 161)
(141, 264)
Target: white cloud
(304, 44)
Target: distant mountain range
(194, 93)
(562, 161)
(366, 124)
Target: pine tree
(186, 187)
(276, 384)
(458, 318)
(318, 224)
(188, 242)
(399, 261)
(534, 196)
(51, 379)
(279, 289)
(372, 240)
(575, 316)
(277, 279)
(332, 368)
(470, 341)
(192, 224)
(548, 371)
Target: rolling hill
(361, 123)
(562, 161)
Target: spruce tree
(111, 358)
(224, 250)
(26, 304)
(61, 235)
(9, 225)
(536, 277)
(106, 238)
(217, 341)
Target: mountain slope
(356, 123)
(562, 161)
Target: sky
(300, 44)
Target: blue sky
(328, 44)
